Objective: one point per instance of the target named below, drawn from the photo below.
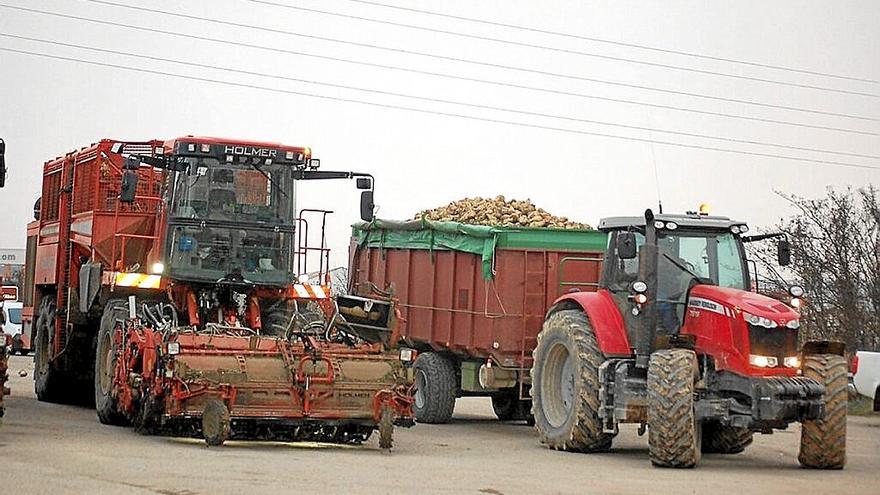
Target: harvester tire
(674, 432)
(720, 439)
(435, 388)
(386, 429)
(823, 441)
(216, 425)
(48, 380)
(106, 405)
(565, 385)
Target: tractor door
(618, 276)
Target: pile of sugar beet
(499, 211)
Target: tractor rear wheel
(435, 388)
(823, 441)
(674, 432)
(106, 405)
(720, 439)
(565, 385)
(48, 380)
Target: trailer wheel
(823, 441)
(106, 405)
(386, 429)
(720, 439)
(674, 432)
(215, 423)
(565, 385)
(435, 387)
(47, 379)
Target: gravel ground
(47, 448)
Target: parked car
(21, 342)
(866, 375)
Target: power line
(549, 48)
(431, 55)
(434, 112)
(434, 100)
(618, 43)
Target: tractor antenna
(656, 172)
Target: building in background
(11, 267)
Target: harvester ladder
(62, 297)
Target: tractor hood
(739, 300)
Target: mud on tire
(565, 385)
(823, 441)
(674, 434)
(435, 382)
(720, 439)
(48, 381)
(106, 406)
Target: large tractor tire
(48, 380)
(823, 441)
(674, 432)
(720, 439)
(105, 364)
(435, 388)
(565, 385)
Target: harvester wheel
(215, 423)
(720, 439)
(47, 379)
(823, 441)
(386, 429)
(565, 385)
(106, 405)
(435, 387)
(674, 432)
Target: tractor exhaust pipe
(647, 321)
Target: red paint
(606, 320)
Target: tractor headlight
(407, 356)
(796, 302)
(796, 291)
(759, 320)
(639, 287)
(157, 268)
(792, 362)
(793, 324)
(763, 361)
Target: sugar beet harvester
(675, 340)
(166, 279)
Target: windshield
(713, 256)
(234, 191)
(231, 219)
(14, 316)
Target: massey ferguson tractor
(167, 281)
(676, 341)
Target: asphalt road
(47, 448)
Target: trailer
(472, 301)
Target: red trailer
(473, 300)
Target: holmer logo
(251, 151)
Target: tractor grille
(778, 342)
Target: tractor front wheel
(106, 405)
(48, 379)
(823, 441)
(565, 385)
(674, 432)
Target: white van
(21, 344)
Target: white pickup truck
(866, 375)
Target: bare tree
(835, 244)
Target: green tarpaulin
(477, 239)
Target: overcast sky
(48, 107)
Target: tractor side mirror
(37, 208)
(626, 245)
(129, 187)
(367, 206)
(783, 252)
(2, 163)
(363, 183)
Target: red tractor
(169, 280)
(674, 340)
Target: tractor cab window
(624, 271)
(715, 256)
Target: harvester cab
(676, 340)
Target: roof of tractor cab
(688, 221)
(235, 142)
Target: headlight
(759, 320)
(763, 361)
(671, 225)
(173, 348)
(795, 302)
(157, 268)
(792, 362)
(407, 355)
(794, 324)
(639, 287)
(796, 291)
(658, 224)
(734, 229)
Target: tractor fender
(604, 316)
